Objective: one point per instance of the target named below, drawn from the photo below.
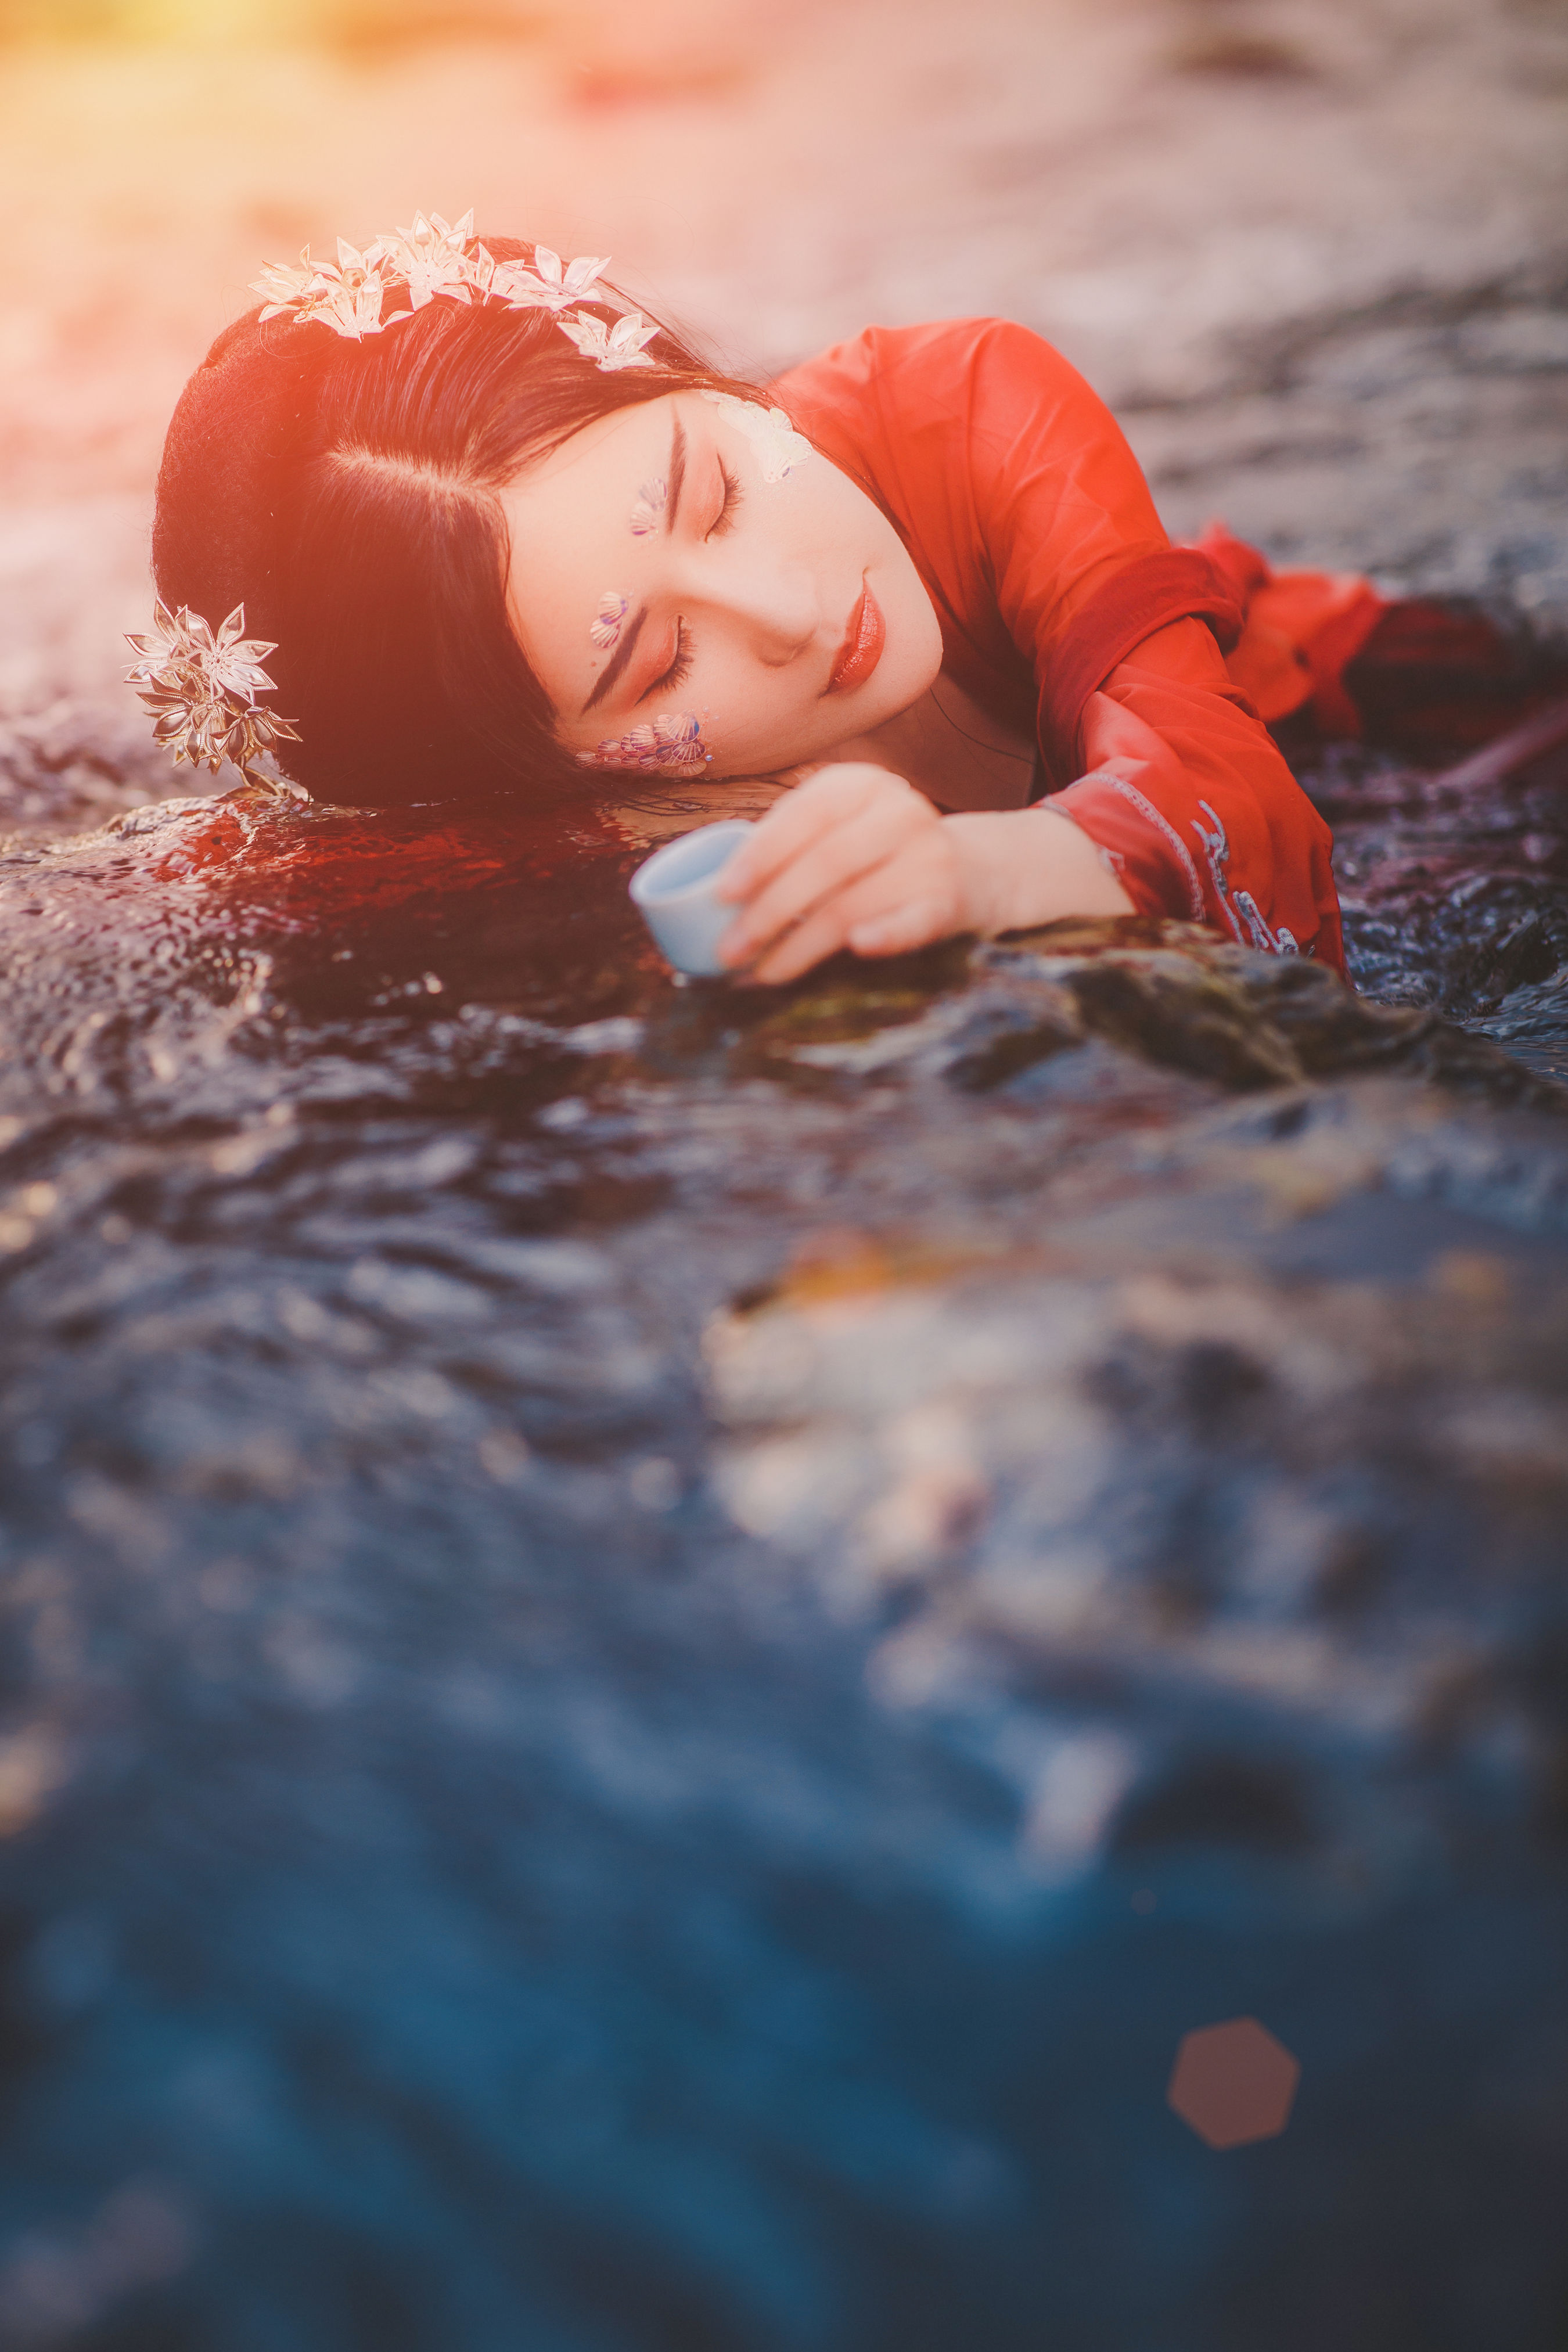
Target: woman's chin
(909, 666)
(885, 698)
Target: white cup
(673, 891)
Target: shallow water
(658, 1643)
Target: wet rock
(1178, 1008)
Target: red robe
(1065, 608)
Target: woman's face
(684, 610)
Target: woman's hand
(855, 857)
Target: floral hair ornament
(432, 257)
(201, 690)
(345, 295)
(779, 446)
(548, 285)
(610, 348)
(428, 259)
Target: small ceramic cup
(673, 891)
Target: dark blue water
(658, 1644)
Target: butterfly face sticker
(647, 507)
(605, 625)
(673, 740)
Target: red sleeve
(1020, 501)
(1195, 807)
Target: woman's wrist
(1030, 866)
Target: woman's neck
(954, 752)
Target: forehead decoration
(779, 446)
(605, 625)
(647, 507)
(673, 740)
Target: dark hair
(345, 493)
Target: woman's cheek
(760, 750)
(749, 733)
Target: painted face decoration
(673, 740)
(777, 443)
(605, 625)
(647, 507)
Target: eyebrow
(617, 664)
(617, 661)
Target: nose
(773, 607)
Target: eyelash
(732, 497)
(680, 669)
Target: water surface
(659, 1641)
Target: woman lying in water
(505, 539)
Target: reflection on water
(660, 1642)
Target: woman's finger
(792, 824)
(821, 935)
(921, 897)
(920, 879)
(799, 819)
(855, 849)
(916, 925)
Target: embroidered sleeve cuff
(1142, 847)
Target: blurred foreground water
(659, 1641)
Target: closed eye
(680, 669)
(725, 519)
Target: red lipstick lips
(862, 647)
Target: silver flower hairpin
(611, 348)
(548, 285)
(201, 689)
(429, 257)
(433, 258)
(345, 295)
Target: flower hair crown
(431, 258)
